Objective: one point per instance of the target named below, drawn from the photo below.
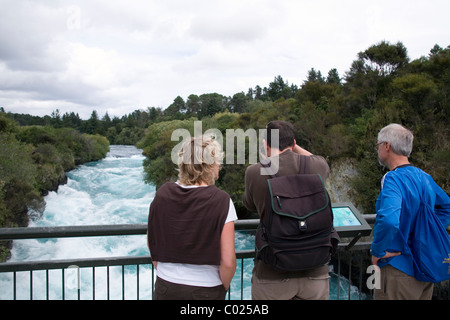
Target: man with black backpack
(296, 235)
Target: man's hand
(300, 150)
(387, 255)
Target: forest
(338, 118)
(33, 161)
(333, 116)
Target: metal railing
(349, 261)
(32, 267)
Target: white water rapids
(109, 191)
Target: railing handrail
(93, 230)
(22, 233)
(8, 234)
(105, 230)
(91, 262)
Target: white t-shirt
(194, 274)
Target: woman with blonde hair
(191, 228)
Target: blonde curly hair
(196, 160)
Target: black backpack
(297, 226)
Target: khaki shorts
(304, 288)
(397, 285)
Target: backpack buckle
(302, 225)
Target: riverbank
(110, 191)
(33, 162)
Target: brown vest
(185, 224)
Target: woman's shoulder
(219, 191)
(165, 186)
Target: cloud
(27, 32)
(118, 56)
(232, 22)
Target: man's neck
(275, 152)
(397, 162)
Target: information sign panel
(348, 221)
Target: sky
(119, 56)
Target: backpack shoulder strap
(268, 167)
(304, 166)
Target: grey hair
(400, 138)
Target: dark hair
(285, 134)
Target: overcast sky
(119, 56)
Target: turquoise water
(109, 191)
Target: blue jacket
(397, 206)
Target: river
(109, 191)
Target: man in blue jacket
(397, 207)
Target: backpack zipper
(279, 202)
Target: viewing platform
(348, 267)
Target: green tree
(258, 93)
(417, 90)
(176, 109)
(18, 179)
(192, 105)
(72, 120)
(385, 58)
(93, 125)
(56, 119)
(154, 114)
(333, 77)
(278, 88)
(238, 102)
(210, 104)
(369, 77)
(315, 76)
